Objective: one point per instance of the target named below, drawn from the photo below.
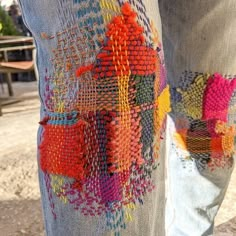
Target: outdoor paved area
(20, 210)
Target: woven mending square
(147, 117)
(123, 146)
(63, 148)
(217, 97)
(144, 86)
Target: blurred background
(20, 209)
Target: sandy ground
(20, 209)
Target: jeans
(197, 41)
(159, 75)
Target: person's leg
(199, 42)
(103, 94)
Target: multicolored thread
(106, 105)
(205, 126)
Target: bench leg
(8, 77)
(9, 84)
(0, 108)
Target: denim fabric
(198, 38)
(193, 195)
(47, 18)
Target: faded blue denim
(198, 36)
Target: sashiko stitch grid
(203, 108)
(106, 107)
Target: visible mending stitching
(143, 20)
(106, 112)
(209, 131)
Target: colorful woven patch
(106, 112)
(206, 104)
(63, 149)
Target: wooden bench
(8, 67)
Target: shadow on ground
(226, 229)
(21, 218)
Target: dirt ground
(20, 209)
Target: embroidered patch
(63, 148)
(217, 97)
(207, 135)
(106, 112)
